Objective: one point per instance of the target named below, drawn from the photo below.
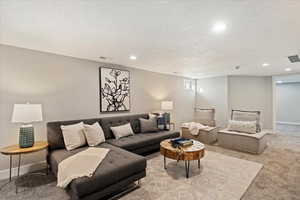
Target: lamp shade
(27, 113)
(167, 105)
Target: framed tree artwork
(114, 90)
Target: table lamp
(26, 114)
(167, 106)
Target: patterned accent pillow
(242, 126)
(149, 125)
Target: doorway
(288, 105)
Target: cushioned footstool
(251, 143)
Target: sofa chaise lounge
(121, 167)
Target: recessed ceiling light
(288, 69)
(265, 64)
(132, 57)
(279, 82)
(219, 27)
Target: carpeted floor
(220, 178)
(279, 179)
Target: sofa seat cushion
(117, 165)
(141, 140)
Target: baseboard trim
(288, 123)
(24, 169)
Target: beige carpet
(279, 179)
(220, 177)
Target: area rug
(219, 177)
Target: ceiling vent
(294, 58)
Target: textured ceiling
(166, 36)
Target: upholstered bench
(205, 116)
(251, 143)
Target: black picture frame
(108, 101)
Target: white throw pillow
(242, 126)
(73, 135)
(122, 131)
(94, 134)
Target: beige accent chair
(207, 118)
(251, 143)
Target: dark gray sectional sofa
(122, 166)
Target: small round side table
(16, 150)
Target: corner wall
(237, 92)
(252, 93)
(213, 93)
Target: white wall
(214, 95)
(237, 92)
(252, 93)
(68, 88)
(288, 100)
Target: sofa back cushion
(56, 140)
(108, 122)
(242, 115)
(54, 132)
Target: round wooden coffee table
(186, 154)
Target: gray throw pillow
(122, 131)
(149, 125)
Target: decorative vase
(26, 136)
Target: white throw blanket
(194, 127)
(81, 164)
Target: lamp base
(26, 136)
